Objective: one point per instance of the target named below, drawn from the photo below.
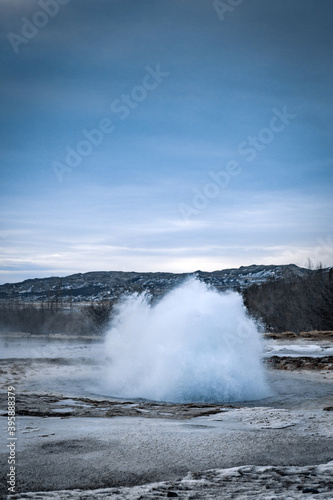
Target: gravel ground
(83, 453)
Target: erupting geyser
(194, 345)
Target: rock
(301, 363)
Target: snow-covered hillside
(108, 285)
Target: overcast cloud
(164, 135)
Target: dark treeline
(294, 304)
(87, 320)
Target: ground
(73, 442)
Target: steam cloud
(195, 345)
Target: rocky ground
(246, 482)
(314, 335)
(301, 362)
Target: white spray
(195, 345)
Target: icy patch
(274, 418)
(258, 417)
(298, 349)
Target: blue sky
(214, 147)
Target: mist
(194, 345)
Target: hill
(96, 287)
(282, 298)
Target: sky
(164, 135)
